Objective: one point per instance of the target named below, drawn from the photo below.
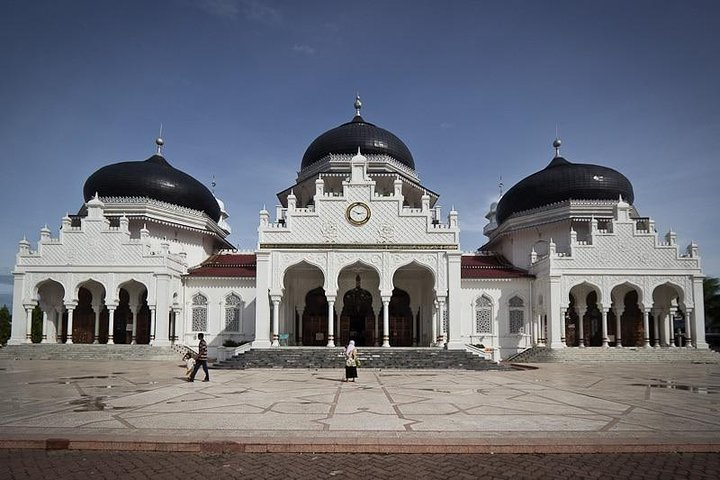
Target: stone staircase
(617, 355)
(370, 357)
(61, 351)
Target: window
(199, 313)
(233, 303)
(517, 315)
(483, 315)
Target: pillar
(656, 328)
(275, 321)
(669, 327)
(134, 311)
(386, 321)
(96, 333)
(153, 324)
(28, 323)
(111, 324)
(44, 327)
(331, 321)
(563, 327)
(581, 310)
(434, 332)
(604, 312)
(262, 305)
(443, 323)
(70, 310)
(618, 325)
(688, 327)
(646, 326)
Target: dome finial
(159, 142)
(358, 104)
(556, 146)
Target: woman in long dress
(350, 362)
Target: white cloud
(306, 49)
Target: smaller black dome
(560, 181)
(346, 139)
(153, 178)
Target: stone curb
(364, 445)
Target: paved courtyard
(557, 408)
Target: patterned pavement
(556, 408)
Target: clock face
(358, 213)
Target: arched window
(199, 313)
(233, 304)
(483, 315)
(517, 315)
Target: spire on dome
(358, 104)
(556, 145)
(159, 142)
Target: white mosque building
(358, 248)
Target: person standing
(350, 362)
(201, 360)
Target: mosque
(358, 248)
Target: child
(189, 364)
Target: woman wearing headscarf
(350, 362)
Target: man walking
(201, 360)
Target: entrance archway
(357, 320)
(401, 319)
(315, 318)
(132, 307)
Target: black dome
(357, 133)
(153, 178)
(562, 180)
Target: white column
(698, 316)
(262, 305)
(434, 323)
(688, 327)
(618, 326)
(386, 321)
(563, 327)
(96, 334)
(153, 324)
(70, 310)
(646, 327)
(28, 323)
(160, 316)
(376, 343)
(331, 321)
(134, 311)
(669, 328)
(111, 324)
(275, 321)
(581, 310)
(54, 323)
(656, 328)
(604, 312)
(443, 322)
(44, 327)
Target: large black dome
(357, 133)
(153, 178)
(562, 180)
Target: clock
(358, 213)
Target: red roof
(226, 265)
(489, 266)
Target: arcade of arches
(626, 323)
(90, 319)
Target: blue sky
(476, 89)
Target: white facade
(357, 250)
